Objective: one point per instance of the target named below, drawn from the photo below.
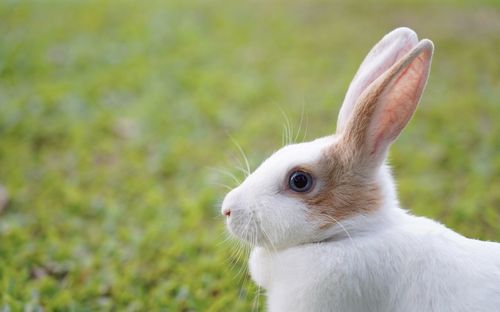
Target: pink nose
(227, 212)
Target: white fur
(262, 213)
(406, 264)
(387, 260)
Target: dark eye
(300, 181)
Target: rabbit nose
(230, 201)
(226, 212)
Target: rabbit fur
(346, 244)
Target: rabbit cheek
(343, 195)
(344, 202)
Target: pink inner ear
(399, 101)
(386, 60)
(383, 55)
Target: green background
(115, 115)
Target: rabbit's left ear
(386, 106)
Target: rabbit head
(309, 192)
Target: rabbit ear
(383, 55)
(386, 106)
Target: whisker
(306, 128)
(340, 225)
(235, 258)
(255, 305)
(239, 255)
(288, 127)
(300, 123)
(242, 249)
(226, 173)
(242, 170)
(242, 152)
(226, 240)
(268, 238)
(283, 136)
(244, 270)
(222, 185)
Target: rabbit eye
(300, 181)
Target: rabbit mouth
(246, 226)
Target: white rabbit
(324, 219)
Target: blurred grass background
(112, 114)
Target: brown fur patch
(343, 191)
(346, 179)
(346, 187)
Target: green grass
(113, 113)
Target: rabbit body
(408, 264)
